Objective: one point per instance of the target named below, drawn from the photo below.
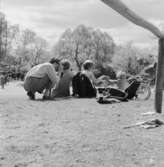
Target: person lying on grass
(123, 86)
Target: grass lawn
(76, 133)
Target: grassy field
(76, 133)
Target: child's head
(121, 75)
(65, 64)
(88, 65)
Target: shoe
(31, 95)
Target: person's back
(63, 87)
(83, 82)
(39, 70)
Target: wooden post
(126, 12)
(122, 9)
(159, 78)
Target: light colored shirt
(41, 70)
(122, 84)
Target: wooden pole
(122, 9)
(159, 78)
(126, 12)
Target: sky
(50, 18)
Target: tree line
(23, 49)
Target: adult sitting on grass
(42, 77)
(63, 86)
(88, 67)
(84, 82)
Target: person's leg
(31, 95)
(29, 87)
(118, 94)
(46, 86)
(33, 85)
(46, 93)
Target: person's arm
(52, 75)
(94, 80)
(106, 79)
(112, 81)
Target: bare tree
(3, 36)
(85, 43)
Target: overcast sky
(49, 18)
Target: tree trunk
(76, 57)
(160, 77)
(1, 31)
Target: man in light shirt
(42, 77)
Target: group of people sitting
(56, 79)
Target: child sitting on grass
(122, 82)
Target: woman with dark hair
(63, 86)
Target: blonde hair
(121, 75)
